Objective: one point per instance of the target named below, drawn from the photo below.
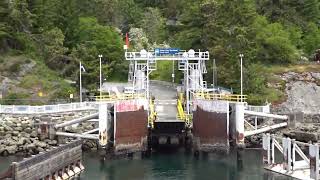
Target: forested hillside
(52, 36)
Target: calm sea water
(174, 166)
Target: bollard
(314, 161)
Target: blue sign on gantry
(166, 51)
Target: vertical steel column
(272, 149)
(187, 87)
(286, 143)
(80, 83)
(103, 123)
(314, 161)
(293, 142)
(266, 148)
(239, 106)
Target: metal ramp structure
(191, 62)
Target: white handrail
(27, 109)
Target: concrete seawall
(56, 162)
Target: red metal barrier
(211, 129)
(131, 130)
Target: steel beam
(265, 129)
(78, 120)
(261, 114)
(91, 131)
(83, 136)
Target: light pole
(100, 56)
(80, 82)
(81, 68)
(241, 76)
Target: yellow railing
(152, 114)
(114, 97)
(227, 97)
(187, 118)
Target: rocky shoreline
(18, 133)
(303, 93)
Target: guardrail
(227, 97)
(22, 109)
(124, 96)
(264, 109)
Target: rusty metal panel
(131, 130)
(210, 127)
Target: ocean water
(247, 165)
(174, 165)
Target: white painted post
(272, 149)
(285, 152)
(103, 124)
(265, 144)
(314, 161)
(256, 123)
(241, 77)
(289, 154)
(80, 82)
(100, 63)
(268, 149)
(239, 106)
(293, 141)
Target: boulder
(15, 133)
(303, 136)
(21, 141)
(8, 128)
(18, 128)
(52, 142)
(8, 135)
(29, 147)
(28, 130)
(33, 134)
(41, 144)
(11, 149)
(2, 148)
(9, 123)
(40, 149)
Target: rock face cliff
(303, 93)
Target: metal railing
(264, 109)
(26, 109)
(181, 114)
(227, 97)
(124, 96)
(152, 114)
(294, 162)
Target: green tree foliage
(274, 42)
(311, 40)
(93, 39)
(62, 33)
(53, 43)
(154, 24)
